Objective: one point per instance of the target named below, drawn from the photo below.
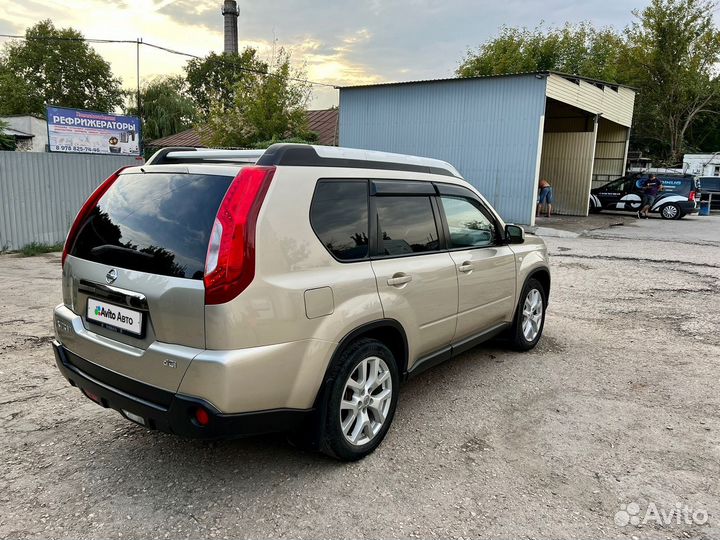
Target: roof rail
(306, 155)
(201, 155)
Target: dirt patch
(475, 444)
(613, 407)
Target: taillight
(85, 211)
(230, 261)
(202, 417)
(692, 196)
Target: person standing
(650, 189)
(545, 197)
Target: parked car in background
(677, 198)
(216, 293)
(711, 185)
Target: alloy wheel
(532, 314)
(670, 211)
(365, 401)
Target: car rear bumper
(688, 207)
(167, 411)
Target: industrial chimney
(231, 13)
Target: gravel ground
(618, 405)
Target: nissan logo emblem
(111, 276)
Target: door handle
(466, 267)
(399, 279)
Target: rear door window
(339, 217)
(407, 225)
(158, 223)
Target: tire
(671, 211)
(522, 338)
(347, 386)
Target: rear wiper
(109, 249)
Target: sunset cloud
(340, 42)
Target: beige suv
(220, 293)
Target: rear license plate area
(117, 318)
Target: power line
(159, 47)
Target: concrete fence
(40, 193)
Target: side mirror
(514, 234)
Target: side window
(407, 225)
(469, 226)
(615, 185)
(339, 217)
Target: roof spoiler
(181, 154)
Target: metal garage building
(502, 133)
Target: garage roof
(612, 101)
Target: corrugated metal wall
(567, 160)
(610, 152)
(616, 104)
(40, 193)
(489, 129)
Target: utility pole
(138, 41)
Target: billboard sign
(89, 132)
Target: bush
(38, 248)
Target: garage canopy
(501, 132)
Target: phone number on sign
(71, 148)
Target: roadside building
(702, 164)
(323, 122)
(503, 133)
(30, 133)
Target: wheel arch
(543, 276)
(389, 331)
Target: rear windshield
(155, 222)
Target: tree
(674, 49)
(670, 54)
(578, 49)
(166, 107)
(215, 79)
(55, 66)
(268, 107)
(16, 95)
(7, 142)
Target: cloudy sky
(340, 42)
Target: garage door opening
(580, 150)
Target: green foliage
(310, 138)
(215, 79)
(674, 48)
(670, 54)
(166, 107)
(268, 107)
(17, 95)
(7, 142)
(53, 66)
(579, 49)
(37, 248)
